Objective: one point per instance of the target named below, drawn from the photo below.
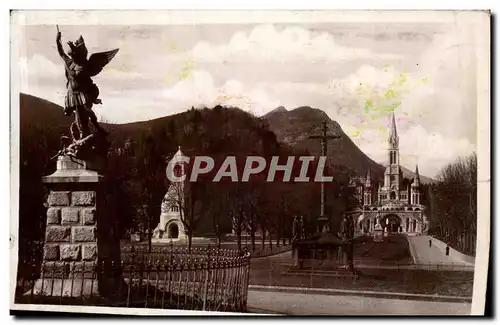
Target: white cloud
(267, 43)
(429, 135)
(441, 113)
(38, 65)
(112, 74)
(419, 144)
(199, 89)
(139, 105)
(431, 150)
(449, 98)
(38, 77)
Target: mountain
(237, 131)
(280, 109)
(135, 172)
(410, 175)
(294, 127)
(135, 169)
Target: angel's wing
(97, 61)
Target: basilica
(397, 208)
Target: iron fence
(167, 277)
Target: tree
(237, 210)
(453, 203)
(149, 167)
(216, 198)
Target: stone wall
(71, 233)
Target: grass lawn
(266, 272)
(393, 250)
(259, 250)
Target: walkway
(431, 259)
(319, 304)
(435, 254)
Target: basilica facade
(397, 208)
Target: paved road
(317, 304)
(431, 255)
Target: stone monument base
(341, 272)
(180, 240)
(184, 241)
(324, 251)
(86, 288)
(79, 248)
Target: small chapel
(170, 228)
(391, 206)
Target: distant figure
(447, 250)
(295, 228)
(430, 243)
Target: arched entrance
(392, 222)
(392, 196)
(173, 231)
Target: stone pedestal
(378, 233)
(78, 239)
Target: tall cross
(324, 138)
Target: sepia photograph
(294, 163)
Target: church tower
(393, 143)
(415, 188)
(368, 189)
(393, 174)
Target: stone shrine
(170, 227)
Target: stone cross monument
(324, 138)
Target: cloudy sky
(355, 72)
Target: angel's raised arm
(60, 49)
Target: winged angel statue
(82, 93)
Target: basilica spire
(368, 189)
(393, 135)
(416, 181)
(415, 188)
(393, 143)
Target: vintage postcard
(256, 162)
